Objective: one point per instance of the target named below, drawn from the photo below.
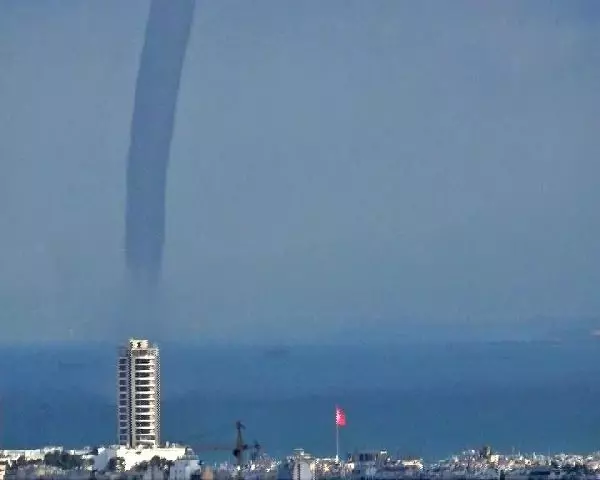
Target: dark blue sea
(411, 398)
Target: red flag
(340, 417)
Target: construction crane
(239, 448)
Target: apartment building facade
(138, 394)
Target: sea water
(419, 399)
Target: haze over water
(333, 163)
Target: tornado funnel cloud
(157, 88)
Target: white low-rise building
(153, 473)
(28, 454)
(300, 469)
(134, 456)
(184, 467)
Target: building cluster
(141, 455)
(138, 452)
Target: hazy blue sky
(333, 162)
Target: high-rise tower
(138, 393)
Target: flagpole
(337, 442)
